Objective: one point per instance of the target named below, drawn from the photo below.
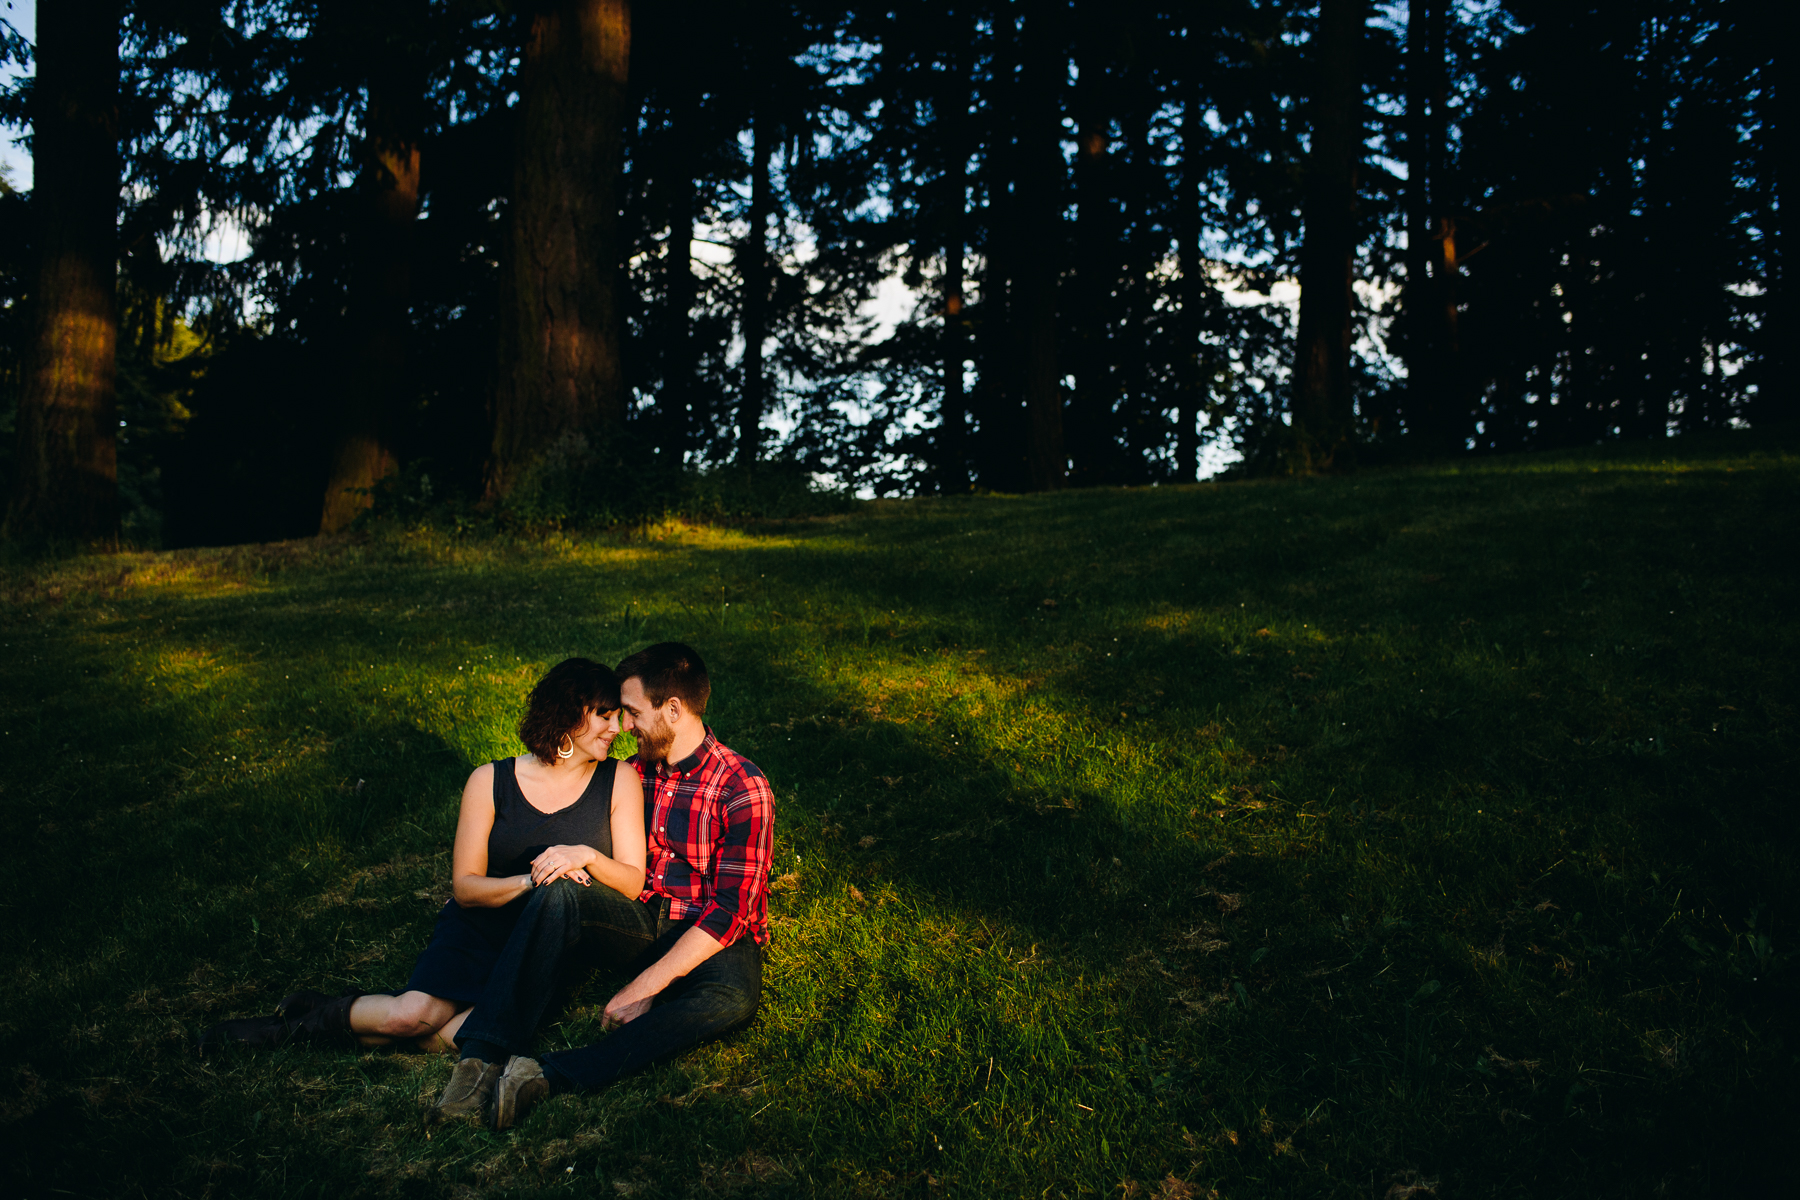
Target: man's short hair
(561, 701)
(670, 669)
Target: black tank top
(521, 833)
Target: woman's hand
(560, 861)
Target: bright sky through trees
(1006, 245)
(22, 15)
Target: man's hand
(628, 1005)
(558, 861)
(689, 951)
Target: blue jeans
(717, 996)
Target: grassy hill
(1422, 832)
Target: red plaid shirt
(709, 821)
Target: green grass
(1319, 838)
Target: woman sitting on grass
(564, 809)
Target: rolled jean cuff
(559, 1083)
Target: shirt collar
(708, 745)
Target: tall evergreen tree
(65, 465)
(756, 269)
(1322, 400)
(561, 369)
(953, 470)
(1089, 206)
(1097, 235)
(393, 129)
(1037, 267)
(1193, 371)
(1424, 335)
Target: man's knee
(724, 1004)
(742, 982)
(741, 1006)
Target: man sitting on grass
(695, 934)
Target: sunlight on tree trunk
(364, 454)
(562, 307)
(1448, 343)
(65, 467)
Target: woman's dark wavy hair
(562, 700)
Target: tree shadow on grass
(1002, 832)
(982, 887)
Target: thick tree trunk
(65, 468)
(562, 292)
(1322, 405)
(364, 454)
(754, 268)
(1039, 276)
(1192, 377)
(1452, 406)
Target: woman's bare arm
(469, 880)
(626, 875)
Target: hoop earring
(570, 752)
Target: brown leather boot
(295, 1005)
(325, 1023)
(328, 1023)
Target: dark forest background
(573, 258)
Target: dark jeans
(565, 918)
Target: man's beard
(653, 744)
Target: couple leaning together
(566, 857)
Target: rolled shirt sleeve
(739, 902)
(710, 827)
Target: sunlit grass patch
(1273, 839)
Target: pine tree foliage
(923, 248)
